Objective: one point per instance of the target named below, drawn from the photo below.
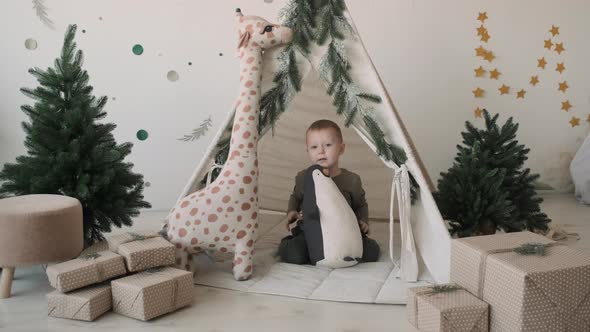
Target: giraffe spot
(254, 68)
(255, 225)
(221, 182)
(250, 243)
(247, 180)
(243, 93)
(212, 218)
(252, 92)
(246, 134)
(230, 209)
(248, 269)
(241, 119)
(235, 153)
(255, 189)
(251, 199)
(245, 206)
(215, 190)
(232, 182)
(197, 222)
(241, 146)
(241, 164)
(241, 234)
(182, 232)
(250, 59)
(227, 173)
(206, 231)
(250, 145)
(241, 192)
(253, 173)
(273, 42)
(192, 196)
(247, 108)
(236, 127)
(226, 198)
(184, 204)
(223, 249)
(194, 241)
(223, 228)
(187, 223)
(255, 161)
(208, 201)
(251, 118)
(238, 261)
(212, 245)
(201, 194)
(219, 209)
(194, 211)
(239, 218)
(178, 216)
(249, 226)
(178, 246)
(254, 215)
(249, 84)
(226, 238)
(255, 44)
(216, 239)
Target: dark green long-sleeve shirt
(350, 186)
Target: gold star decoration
(485, 37)
(520, 94)
(504, 89)
(480, 51)
(478, 111)
(554, 30)
(534, 80)
(575, 121)
(565, 105)
(560, 67)
(563, 86)
(494, 74)
(541, 62)
(489, 56)
(479, 72)
(481, 30)
(482, 16)
(548, 44)
(478, 93)
(559, 48)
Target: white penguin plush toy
(330, 226)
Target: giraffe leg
(242, 265)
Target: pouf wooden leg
(6, 281)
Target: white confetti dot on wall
(31, 44)
(172, 76)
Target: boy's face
(324, 147)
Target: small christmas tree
(487, 187)
(70, 153)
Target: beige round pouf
(37, 229)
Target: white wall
(424, 50)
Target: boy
(325, 145)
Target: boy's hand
(291, 217)
(364, 227)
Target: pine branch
(198, 132)
(41, 11)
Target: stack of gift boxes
(507, 282)
(133, 278)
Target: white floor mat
(363, 283)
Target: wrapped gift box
(82, 304)
(88, 269)
(526, 292)
(152, 293)
(143, 251)
(454, 310)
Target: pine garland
(317, 22)
(198, 132)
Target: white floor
(217, 310)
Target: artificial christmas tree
(70, 153)
(487, 187)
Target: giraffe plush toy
(224, 215)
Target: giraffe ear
(244, 39)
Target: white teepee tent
(282, 154)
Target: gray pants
(293, 248)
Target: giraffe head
(256, 32)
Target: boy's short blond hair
(325, 124)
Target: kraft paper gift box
(82, 304)
(549, 292)
(453, 310)
(152, 293)
(143, 251)
(88, 269)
